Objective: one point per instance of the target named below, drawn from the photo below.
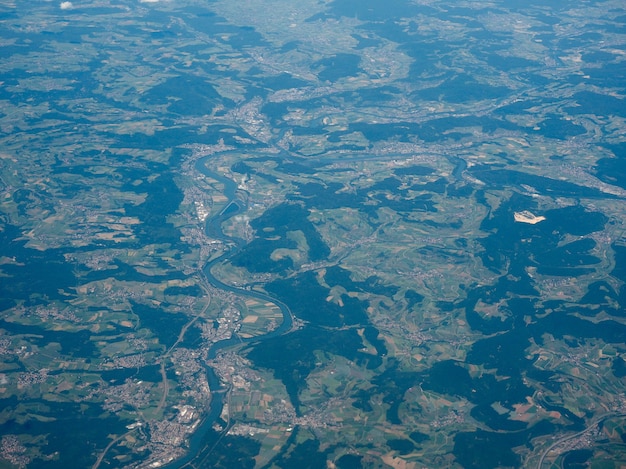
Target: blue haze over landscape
(336, 233)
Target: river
(204, 440)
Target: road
(593, 423)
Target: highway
(593, 424)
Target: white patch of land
(527, 217)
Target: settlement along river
(205, 437)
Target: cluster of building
(13, 451)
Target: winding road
(593, 423)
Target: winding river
(203, 441)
